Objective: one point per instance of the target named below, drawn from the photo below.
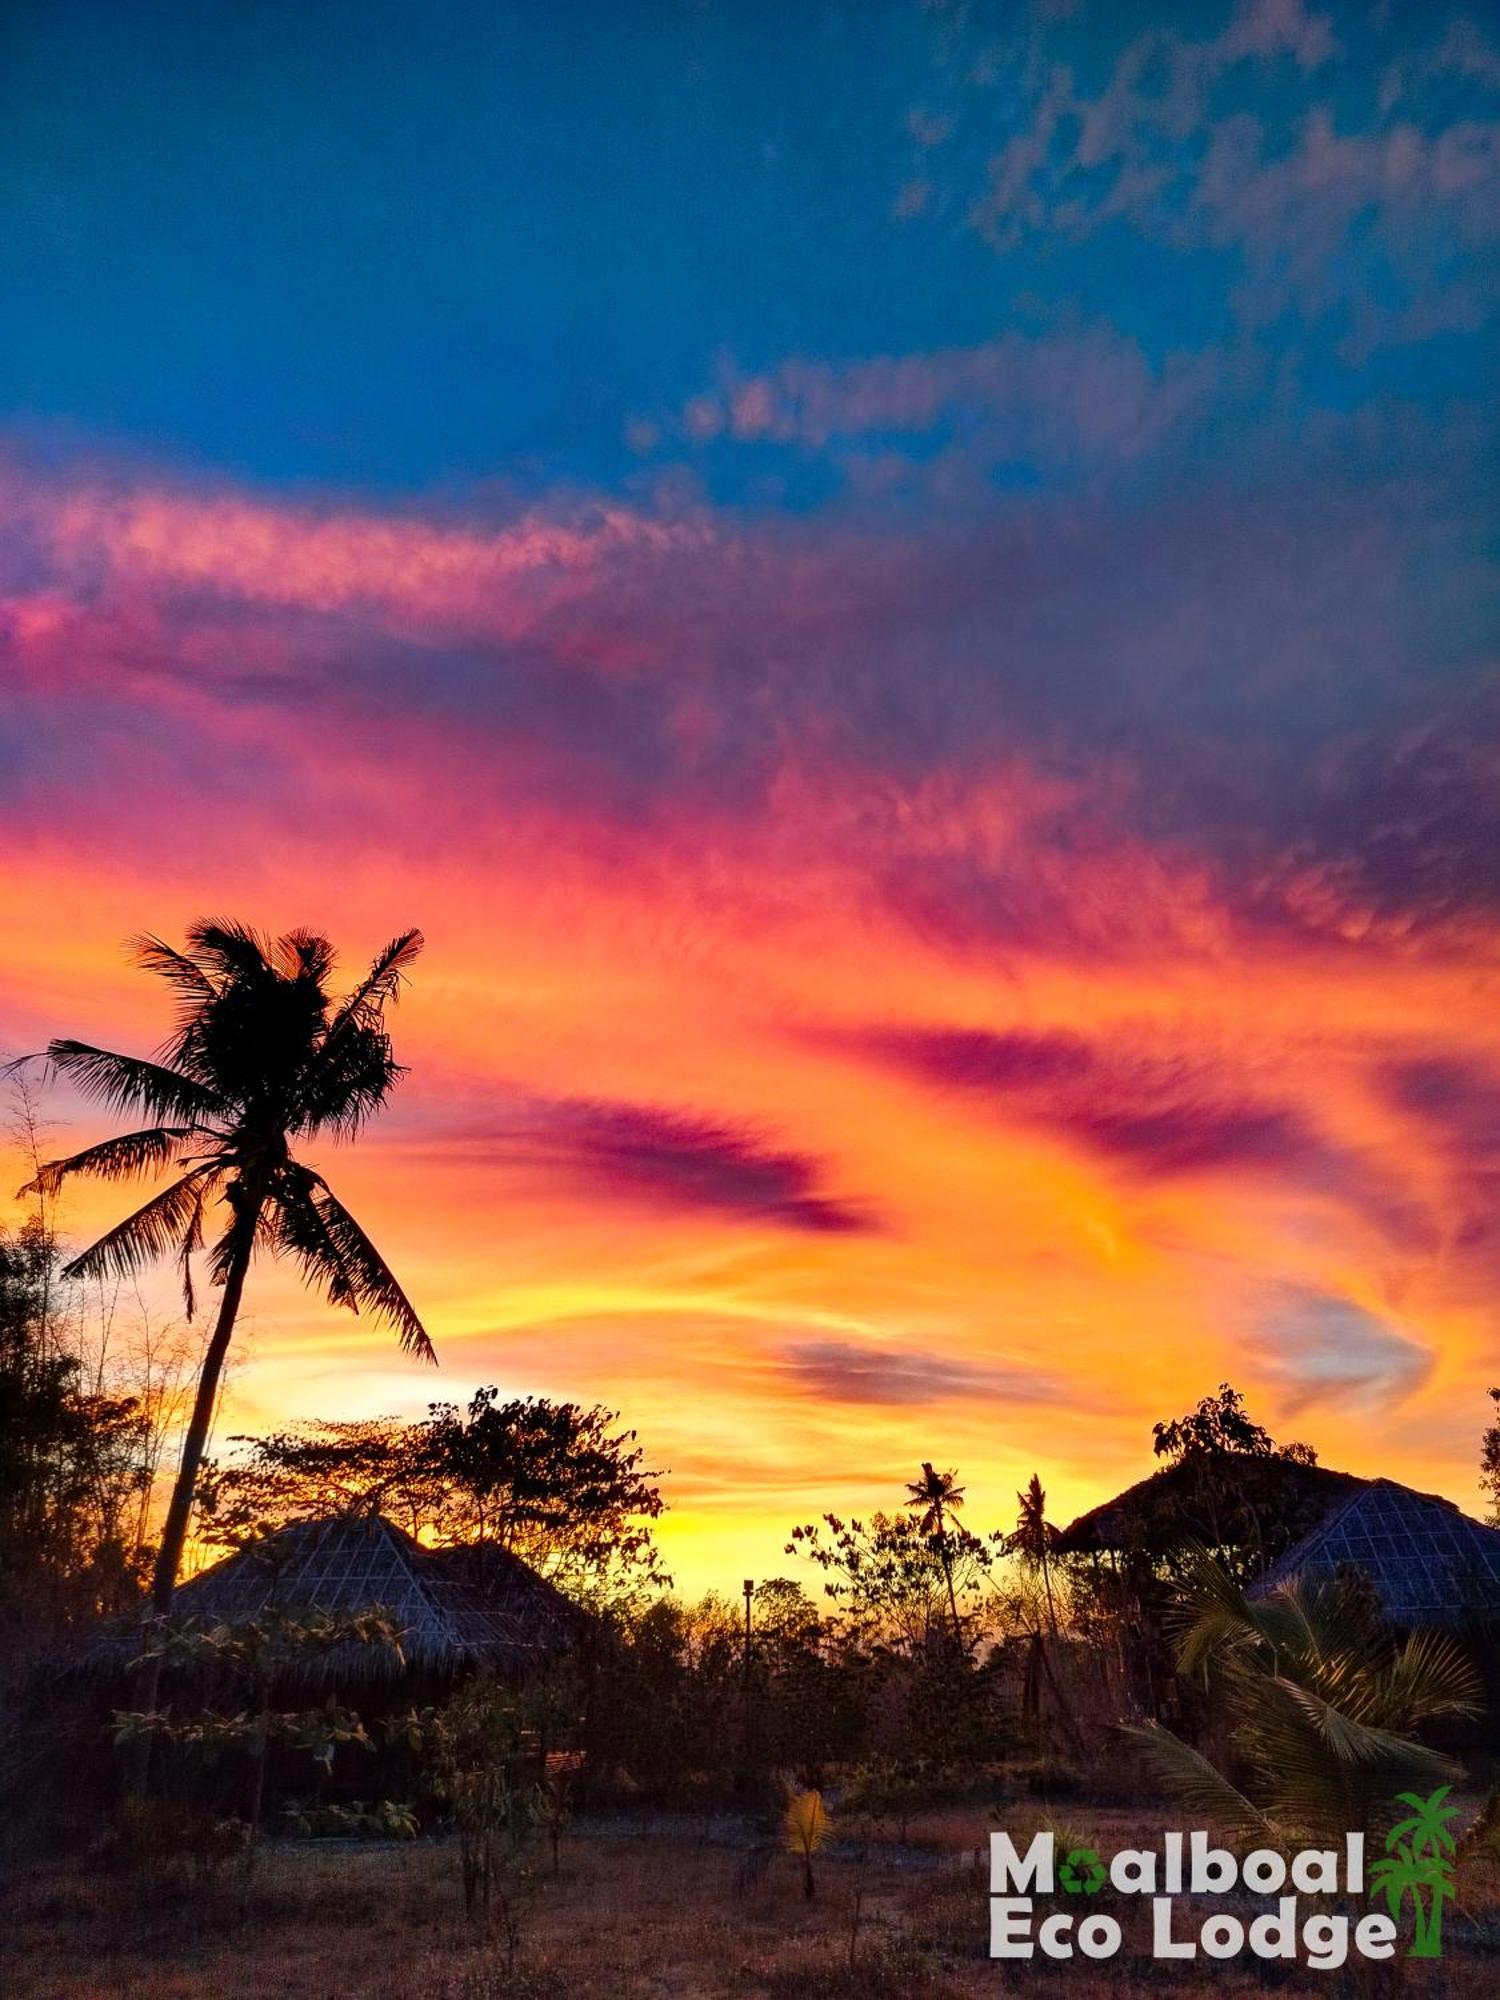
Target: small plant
(472, 1747)
(552, 1804)
(385, 1819)
(1322, 1700)
(888, 1791)
(806, 1826)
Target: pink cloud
(406, 570)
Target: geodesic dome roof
(1430, 1563)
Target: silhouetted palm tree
(940, 1496)
(1033, 1539)
(260, 1056)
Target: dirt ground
(674, 1910)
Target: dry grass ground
(665, 1912)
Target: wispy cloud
(648, 1155)
(1053, 401)
(843, 1371)
(1160, 1115)
(1319, 159)
(1319, 1347)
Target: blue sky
(398, 247)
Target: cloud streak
(683, 1162)
(842, 1371)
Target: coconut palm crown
(260, 1056)
(939, 1497)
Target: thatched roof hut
(457, 1609)
(1430, 1564)
(1211, 1498)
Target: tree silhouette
(1033, 1538)
(260, 1055)
(1489, 1460)
(939, 1496)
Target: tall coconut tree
(260, 1056)
(939, 1497)
(1033, 1539)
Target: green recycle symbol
(1081, 1872)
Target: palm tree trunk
(1047, 1586)
(958, 1629)
(179, 1512)
(180, 1508)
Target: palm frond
(232, 949)
(301, 1230)
(127, 1083)
(146, 1235)
(1213, 1614)
(1323, 1770)
(381, 985)
(355, 1069)
(1349, 1741)
(1192, 1780)
(122, 1159)
(303, 954)
(154, 954)
(1429, 1677)
(346, 1082)
(353, 1269)
(192, 1242)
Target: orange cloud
(821, 1073)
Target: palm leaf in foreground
(1322, 1702)
(1193, 1781)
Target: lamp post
(742, 1775)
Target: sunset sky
(906, 592)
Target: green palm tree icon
(1416, 1864)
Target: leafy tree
(260, 1055)
(320, 1469)
(1221, 1423)
(75, 1460)
(558, 1484)
(1489, 1460)
(893, 1586)
(787, 1631)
